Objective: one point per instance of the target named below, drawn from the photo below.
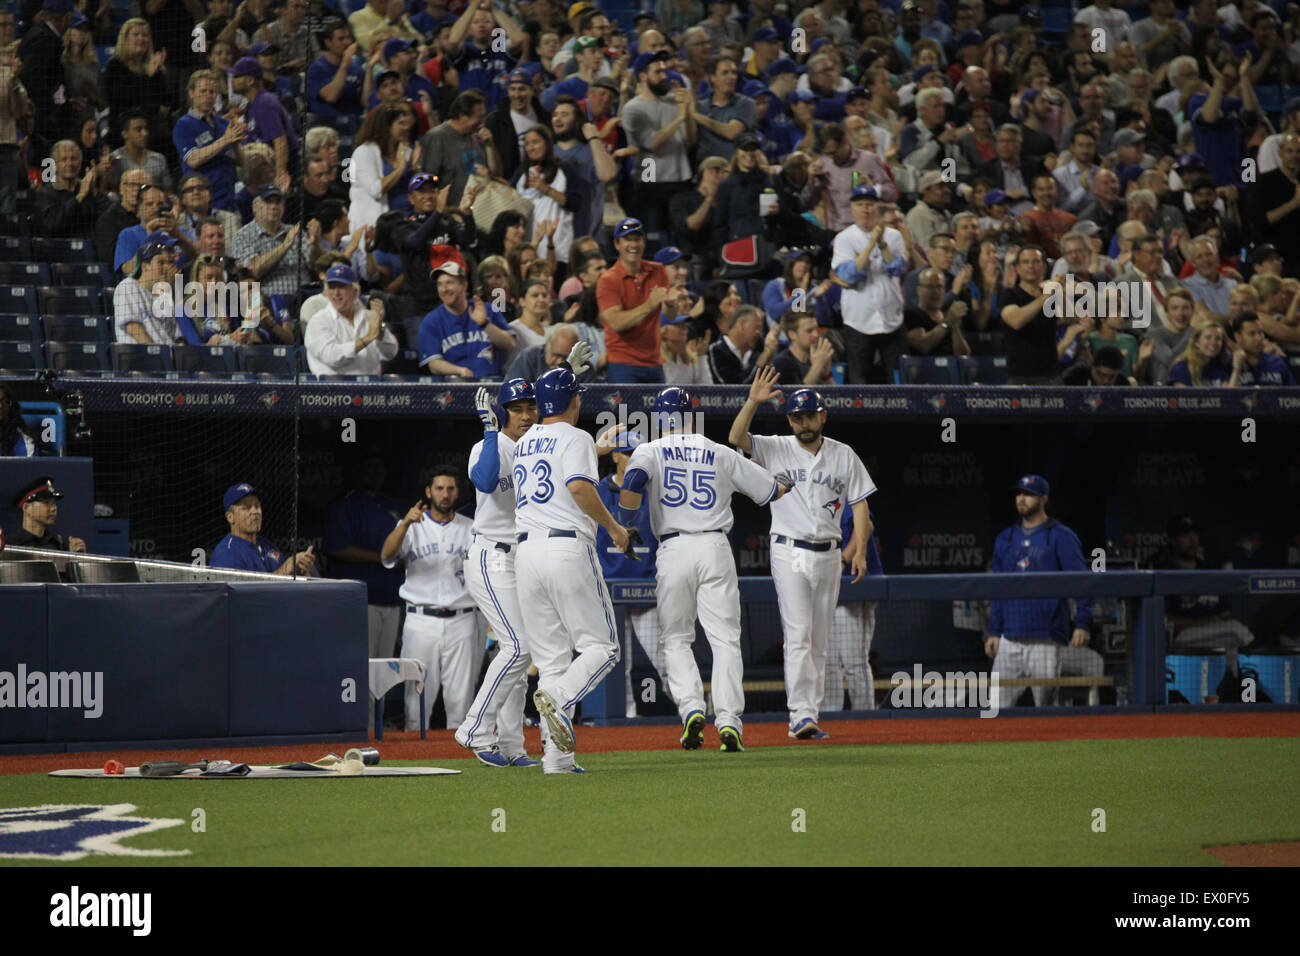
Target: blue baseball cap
(394, 46)
(802, 96)
(1191, 159)
(420, 180)
(627, 442)
(783, 65)
(628, 226)
(669, 254)
(857, 93)
(643, 60)
(864, 192)
(994, 196)
(921, 71)
(766, 35)
(664, 319)
(519, 76)
(151, 250)
(245, 66)
(261, 48)
(1034, 485)
(269, 190)
(160, 238)
(793, 254)
(79, 20)
(970, 38)
(237, 493)
(341, 273)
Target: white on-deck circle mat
(260, 773)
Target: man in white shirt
(143, 307)
(346, 338)
(869, 258)
(1102, 15)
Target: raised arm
(763, 389)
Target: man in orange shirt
(628, 297)
(1045, 224)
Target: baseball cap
(675, 320)
(577, 8)
(605, 83)
(420, 180)
(932, 178)
(387, 75)
(519, 76)
(994, 196)
(802, 96)
(856, 93)
(628, 226)
(1085, 226)
(1180, 524)
(748, 141)
(1128, 137)
(245, 66)
(78, 21)
(1263, 253)
(1032, 15)
(341, 273)
(585, 43)
(151, 249)
(1191, 159)
(921, 71)
(783, 65)
(394, 46)
(793, 254)
(161, 238)
(669, 254)
(269, 190)
(970, 38)
(262, 48)
(1128, 174)
(644, 60)
(766, 35)
(627, 441)
(452, 268)
(39, 489)
(1034, 484)
(237, 493)
(864, 192)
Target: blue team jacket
(1049, 547)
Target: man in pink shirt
(835, 173)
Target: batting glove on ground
(483, 404)
(579, 358)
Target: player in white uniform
(561, 592)
(441, 628)
(494, 727)
(826, 475)
(690, 481)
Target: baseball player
(494, 727)
(826, 475)
(852, 628)
(440, 627)
(642, 622)
(1026, 636)
(561, 590)
(690, 480)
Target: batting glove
(633, 539)
(784, 480)
(483, 404)
(579, 358)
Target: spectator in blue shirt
(244, 549)
(463, 338)
(479, 64)
(209, 143)
(1250, 365)
(1026, 635)
(335, 81)
(1220, 121)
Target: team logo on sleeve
(75, 831)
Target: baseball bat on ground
(169, 768)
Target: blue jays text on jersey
(424, 550)
(835, 485)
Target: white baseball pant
(643, 624)
(852, 627)
(496, 715)
(384, 624)
(1027, 659)
(807, 590)
(449, 648)
(569, 612)
(696, 576)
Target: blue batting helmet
(555, 390)
(672, 401)
(804, 400)
(513, 390)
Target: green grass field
(1012, 804)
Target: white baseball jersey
(824, 484)
(494, 513)
(434, 554)
(545, 461)
(691, 480)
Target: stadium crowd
(847, 189)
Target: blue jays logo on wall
(833, 506)
(443, 401)
(75, 831)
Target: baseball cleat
(492, 757)
(807, 729)
(557, 722)
(574, 769)
(523, 760)
(730, 738)
(693, 731)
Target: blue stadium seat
(93, 274)
(929, 370)
(19, 328)
(984, 370)
(15, 249)
(141, 358)
(75, 328)
(21, 356)
(24, 273)
(63, 250)
(79, 357)
(218, 360)
(69, 300)
(18, 300)
(278, 360)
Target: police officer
(37, 501)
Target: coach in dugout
(1026, 636)
(244, 549)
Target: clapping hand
(486, 414)
(579, 358)
(478, 312)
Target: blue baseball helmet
(804, 400)
(555, 390)
(513, 390)
(672, 401)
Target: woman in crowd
(135, 78)
(509, 230)
(519, 260)
(534, 315)
(382, 163)
(796, 280)
(81, 67)
(1205, 361)
(497, 287)
(543, 183)
(736, 210)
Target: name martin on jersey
(704, 456)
